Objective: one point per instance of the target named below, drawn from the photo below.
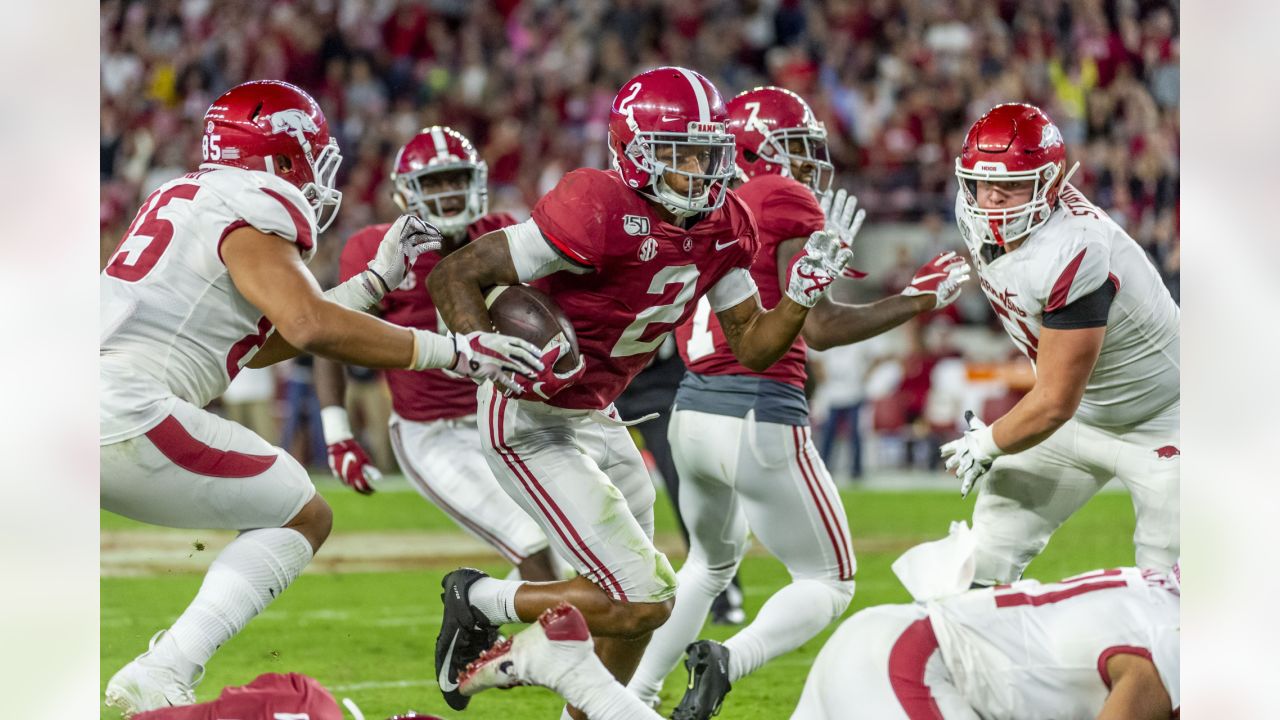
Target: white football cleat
(148, 683)
(541, 654)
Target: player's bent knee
(314, 521)
(644, 618)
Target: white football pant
(197, 470)
(445, 463)
(735, 474)
(882, 664)
(1026, 496)
(579, 475)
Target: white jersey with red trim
(1031, 651)
(172, 322)
(1077, 250)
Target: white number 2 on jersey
(630, 342)
(701, 342)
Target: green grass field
(363, 618)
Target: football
(530, 314)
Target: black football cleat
(708, 664)
(464, 634)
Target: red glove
(348, 461)
(549, 382)
(940, 277)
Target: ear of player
(941, 277)
(970, 456)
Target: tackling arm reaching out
(1136, 691)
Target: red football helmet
(672, 121)
(1013, 142)
(436, 151)
(777, 133)
(254, 124)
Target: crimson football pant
(579, 475)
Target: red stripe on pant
(907, 662)
(174, 442)
(846, 546)
(535, 490)
(816, 493)
(510, 554)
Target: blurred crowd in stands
(897, 82)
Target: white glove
(839, 209)
(941, 277)
(812, 273)
(491, 356)
(406, 239)
(970, 456)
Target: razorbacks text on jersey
(418, 395)
(645, 275)
(172, 321)
(1028, 650)
(783, 209)
(1077, 250)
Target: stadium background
(897, 83)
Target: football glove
(485, 356)
(940, 277)
(845, 220)
(970, 456)
(549, 382)
(348, 461)
(406, 239)
(822, 261)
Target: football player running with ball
(740, 435)
(626, 254)
(211, 277)
(1081, 299)
(439, 177)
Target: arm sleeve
(1087, 267)
(533, 256)
(569, 218)
(737, 285)
(1087, 312)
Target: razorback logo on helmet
(292, 121)
(1050, 136)
(1167, 452)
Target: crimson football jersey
(646, 274)
(427, 394)
(271, 696)
(783, 209)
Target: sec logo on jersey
(636, 225)
(648, 249)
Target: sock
(590, 688)
(698, 586)
(495, 599)
(789, 618)
(245, 577)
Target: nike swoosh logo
(721, 246)
(930, 277)
(445, 685)
(668, 118)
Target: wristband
(431, 350)
(336, 425)
(984, 441)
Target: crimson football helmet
(1011, 143)
(254, 124)
(671, 120)
(776, 132)
(437, 150)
